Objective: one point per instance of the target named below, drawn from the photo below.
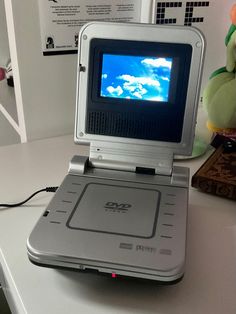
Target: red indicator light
(113, 275)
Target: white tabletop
(209, 284)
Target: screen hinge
(79, 165)
(132, 158)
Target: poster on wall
(61, 20)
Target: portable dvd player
(122, 210)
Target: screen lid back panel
(137, 91)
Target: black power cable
(47, 189)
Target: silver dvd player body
(123, 209)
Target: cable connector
(51, 188)
(47, 189)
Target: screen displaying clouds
(135, 77)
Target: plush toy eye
(233, 14)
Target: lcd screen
(144, 78)
(137, 89)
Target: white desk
(209, 285)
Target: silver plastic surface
(85, 227)
(106, 216)
(111, 148)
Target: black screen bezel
(167, 116)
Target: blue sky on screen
(135, 77)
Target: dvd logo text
(117, 206)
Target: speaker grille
(130, 125)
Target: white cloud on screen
(115, 91)
(133, 82)
(157, 63)
(139, 93)
(163, 78)
(134, 85)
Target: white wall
(7, 134)
(4, 47)
(48, 84)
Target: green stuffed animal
(219, 96)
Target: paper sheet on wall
(61, 20)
